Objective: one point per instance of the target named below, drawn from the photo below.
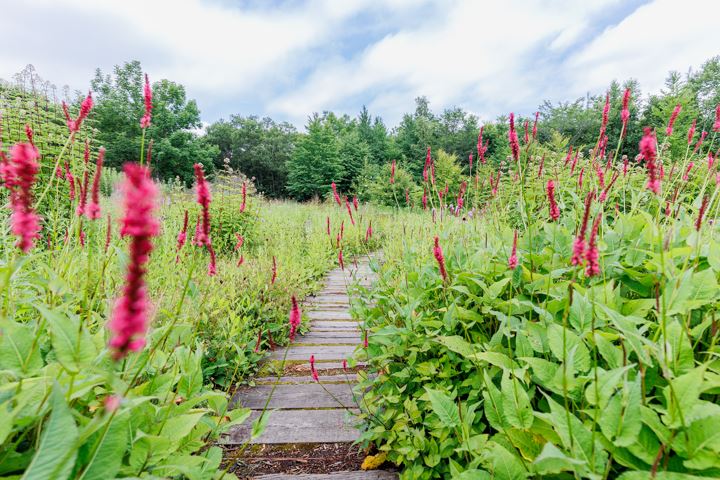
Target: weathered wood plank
(329, 315)
(360, 475)
(326, 324)
(298, 426)
(340, 378)
(328, 334)
(321, 338)
(305, 395)
(300, 352)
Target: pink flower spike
(274, 270)
(392, 172)
(243, 204)
(369, 232)
(534, 129)
(513, 139)
(579, 244)
(591, 255)
(716, 124)
(554, 209)
(513, 260)
(93, 210)
(625, 113)
(438, 253)
(703, 207)
(648, 151)
(295, 318)
(313, 371)
(341, 261)
(147, 97)
(129, 321)
(335, 194)
(29, 134)
(673, 116)
(19, 175)
(691, 132)
(240, 240)
(204, 199)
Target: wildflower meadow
(542, 302)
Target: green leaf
(503, 464)
(620, 419)
(556, 334)
(495, 290)
(258, 426)
(581, 313)
(56, 455)
(681, 396)
(109, 448)
(444, 407)
(660, 475)
(71, 343)
(493, 405)
(16, 345)
(518, 411)
(552, 460)
(457, 344)
(473, 474)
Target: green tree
(259, 148)
(315, 162)
(119, 107)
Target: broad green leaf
(444, 407)
(178, 427)
(562, 341)
(18, 352)
(56, 455)
(493, 405)
(552, 460)
(109, 447)
(71, 343)
(503, 464)
(259, 424)
(605, 387)
(473, 474)
(518, 411)
(659, 475)
(457, 344)
(620, 419)
(681, 396)
(581, 313)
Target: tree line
(355, 151)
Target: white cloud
(291, 59)
(656, 38)
(476, 52)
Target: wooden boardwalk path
(304, 411)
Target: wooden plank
(323, 366)
(351, 377)
(329, 334)
(321, 353)
(329, 315)
(329, 324)
(304, 395)
(321, 338)
(298, 426)
(360, 475)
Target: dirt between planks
(293, 459)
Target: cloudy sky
(288, 58)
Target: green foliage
(119, 106)
(259, 148)
(542, 371)
(315, 163)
